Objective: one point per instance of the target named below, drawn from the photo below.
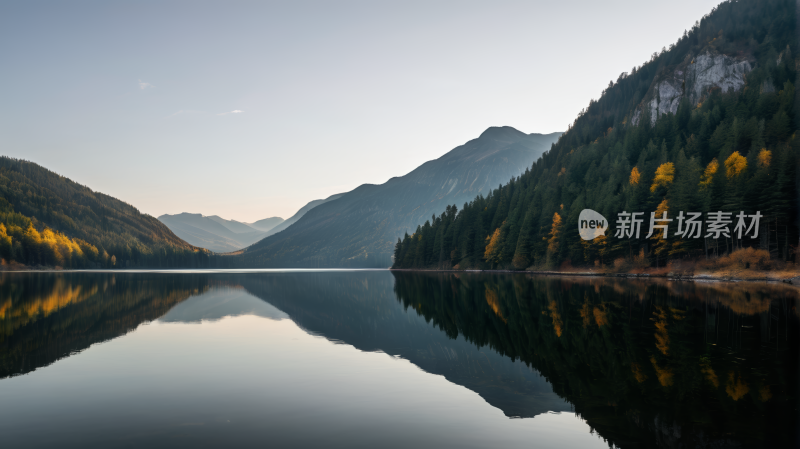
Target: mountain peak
(502, 133)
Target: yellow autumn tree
(493, 247)
(49, 249)
(600, 315)
(557, 323)
(493, 300)
(638, 372)
(5, 243)
(665, 174)
(736, 387)
(57, 249)
(32, 240)
(665, 374)
(662, 334)
(661, 244)
(735, 165)
(764, 157)
(552, 242)
(635, 177)
(708, 174)
(585, 311)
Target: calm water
(381, 359)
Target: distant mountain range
(266, 224)
(218, 234)
(359, 228)
(225, 236)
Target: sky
(250, 110)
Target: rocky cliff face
(692, 79)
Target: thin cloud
(143, 85)
(236, 111)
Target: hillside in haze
(303, 210)
(707, 125)
(217, 234)
(47, 219)
(360, 227)
(266, 224)
(224, 236)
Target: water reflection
(647, 363)
(219, 303)
(362, 310)
(46, 317)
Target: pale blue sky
(137, 99)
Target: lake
(305, 358)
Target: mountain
(266, 224)
(233, 225)
(708, 125)
(303, 210)
(203, 232)
(215, 233)
(225, 236)
(360, 228)
(47, 219)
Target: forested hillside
(47, 219)
(707, 125)
(359, 228)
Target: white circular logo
(591, 224)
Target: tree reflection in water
(646, 363)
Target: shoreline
(792, 280)
(795, 280)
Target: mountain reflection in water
(651, 363)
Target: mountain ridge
(266, 224)
(213, 232)
(299, 214)
(359, 228)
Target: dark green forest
(49, 220)
(732, 151)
